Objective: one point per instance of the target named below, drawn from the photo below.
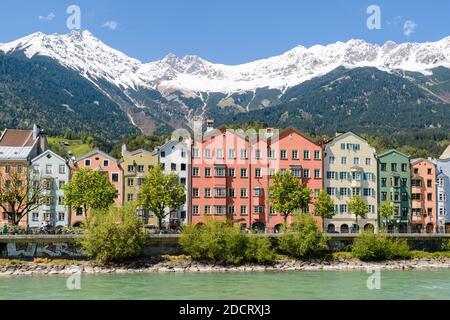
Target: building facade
(350, 169)
(17, 148)
(98, 161)
(443, 194)
(231, 174)
(423, 196)
(53, 172)
(136, 165)
(394, 179)
(175, 158)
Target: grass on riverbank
(418, 255)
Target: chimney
(35, 132)
(209, 125)
(124, 149)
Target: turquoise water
(401, 285)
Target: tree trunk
(285, 220)
(160, 223)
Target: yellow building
(136, 165)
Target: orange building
(98, 161)
(231, 174)
(423, 194)
(17, 148)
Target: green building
(394, 186)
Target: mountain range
(76, 82)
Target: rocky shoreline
(30, 269)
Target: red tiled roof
(17, 138)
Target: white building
(175, 158)
(53, 171)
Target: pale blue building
(443, 194)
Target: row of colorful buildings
(227, 175)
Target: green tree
(287, 194)
(90, 190)
(358, 207)
(114, 234)
(160, 192)
(387, 211)
(324, 207)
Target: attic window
(49, 156)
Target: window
(404, 167)
(343, 208)
(271, 172)
(283, 155)
(140, 181)
(207, 192)
(219, 210)
(272, 154)
(195, 210)
(219, 153)
(295, 154)
(258, 209)
(343, 191)
(383, 167)
(257, 154)
(19, 168)
(404, 196)
(231, 172)
(130, 197)
(243, 154)
(383, 182)
(317, 155)
(243, 173)
(344, 160)
(230, 210)
(62, 169)
(231, 153)
(430, 171)
(207, 210)
(416, 171)
(183, 154)
(429, 183)
(173, 167)
(429, 196)
(368, 161)
(356, 191)
(258, 173)
(79, 211)
(115, 177)
(195, 192)
(35, 216)
(331, 191)
(61, 184)
(343, 175)
(163, 166)
(195, 153)
(306, 155)
(297, 172)
(207, 153)
(105, 163)
(195, 172)
(331, 160)
(317, 174)
(258, 192)
(130, 182)
(219, 171)
(7, 168)
(231, 192)
(244, 210)
(393, 167)
(356, 161)
(220, 192)
(207, 172)
(163, 154)
(36, 168)
(48, 169)
(306, 173)
(8, 183)
(243, 192)
(87, 163)
(368, 192)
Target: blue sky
(230, 32)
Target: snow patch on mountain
(81, 51)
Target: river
(403, 285)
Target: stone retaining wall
(65, 247)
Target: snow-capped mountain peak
(81, 51)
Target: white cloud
(48, 17)
(111, 25)
(409, 27)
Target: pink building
(98, 161)
(231, 174)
